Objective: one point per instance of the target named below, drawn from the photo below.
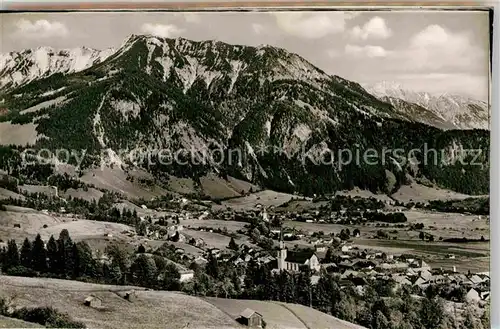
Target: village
(294, 249)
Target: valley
(178, 183)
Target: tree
(119, 258)
(26, 253)
(346, 308)
(212, 267)
(65, 253)
(141, 249)
(52, 254)
(84, 262)
(232, 244)
(421, 236)
(471, 318)
(344, 234)
(160, 262)
(431, 313)
(12, 257)
(144, 271)
(141, 228)
(39, 255)
(171, 277)
(115, 274)
(485, 317)
(356, 232)
(380, 321)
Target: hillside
(260, 114)
(155, 309)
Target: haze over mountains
(160, 93)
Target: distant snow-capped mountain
(449, 111)
(17, 68)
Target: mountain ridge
(21, 67)
(159, 93)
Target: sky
(434, 51)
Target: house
(349, 274)
(201, 261)
(473, 296)
(485, 295)
(250, 318)
(425, 275)
(401, 280)
(363, 264)
(419, 265)
(186, 275)
(130, 295)
(320, 248)
(397, 267)
(93, 301)
(476, 279)
(420, 282)
(346, 248)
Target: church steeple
(282, 252)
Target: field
(32, 222)
(155, 309)
(89, 195)
(469, 256)
(217, 188)
(215, 240)
(357, 192)
(232, 226)
(266, 198)
(421, 193)
(6, 194)
(11, 134)
(116, 180)
(42, 189)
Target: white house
(186, 275)
(473, 296)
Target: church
(294, 260)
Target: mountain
(268, 115)
(17, 68)
(444, 111)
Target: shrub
(47, 316)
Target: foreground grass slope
(152, 309)
(6, 322)
(283, 315)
